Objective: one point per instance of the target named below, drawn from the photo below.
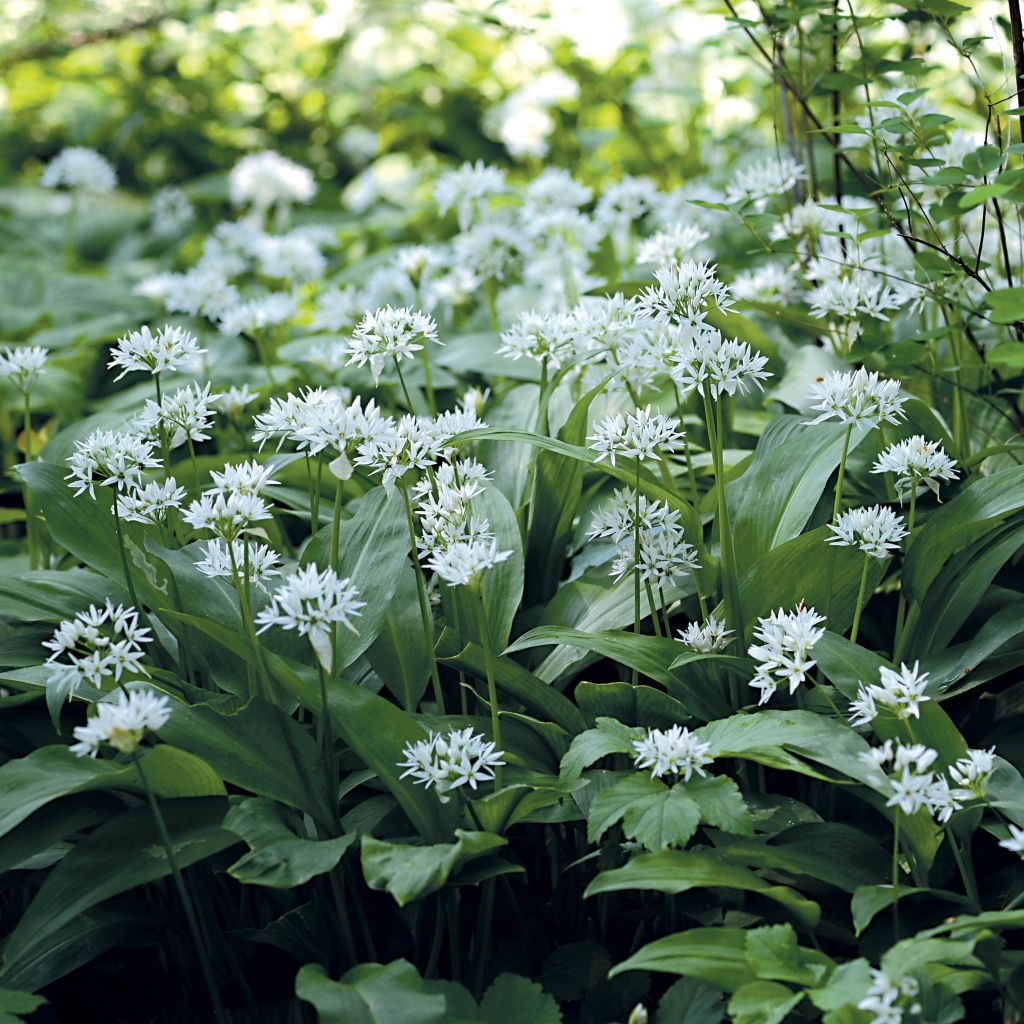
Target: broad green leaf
(48, 595)
(123, 853)
(172, 772)
(713, 955)
(633, 705)
(775, 955)
(763, 1002)
(278, 857)
(869, 900)
(515, 1000)
(1007, 304)
(677, 871)
(13, 1005)
(690, 1001)
(608, 737)
(410, 872)
(845, 986)
(721, 803)
(655, 815)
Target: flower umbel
(123, 724)
(460, 758)
(675, 751)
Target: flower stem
(30, 533)
(966, 873)
(860, 599)
(124, 553)
(492, 691)
(421, 589)
(901, 604)
(636, 565)
(401, 380)
(896, 874)
(326, 735)
(427, 382)
(836, 502)
(183, 895)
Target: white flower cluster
(22, 366)
(446, 762)
(917, 464)
(785, 643)
(458, 545)
(901, 693)
(468, 190)
(888, 999)
(761, 181)
(857, 397)
(685, 293)
(707, 638)
(111, 459)
(170, 210)
(313, 602)
(877, 531)
(151, 502)
(167, 350)
(390, 334)
(98, 646)
(239, 562)
(122, 725)
(81, 170)
(183, 416)
(720, 365)
(636, 436)
(675, 751)
(547, 338)
(268, 179)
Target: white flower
(859, 293)
(185, 415)
(462, 562)
(884, 995)
(972, 771)
(675, 751)
(548, 338)
(618, 518)
(110, 459)
(233, 401)
(229, 561)
(292, 257)
(312, 602)
(468, 190)
(877, 530)
(901, 692)
(857, 397)
(124, 724)
(490, 249)
(910, 782)
(554, 187)
(267, 179)
(243, 478)
(22, 366)
(624, 202)
(672, 246)
(227, 515)
(203, 289)
(917, 463)
(786, 640)
(460, 758)
(154, 353)
(769, 282)
(97, 646)
(338, 308)
(1015, 842)
(720, 365)
(758, 182)
(664, 556)
(390, 333)
(684, 293)
(80, 169)
(287, 417)
(170, 210)
(708, 638)
(395, 449)
(151, 503)
(258, 314)
(636, 435)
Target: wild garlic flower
(464, 561)
(415, 261)
(886, 998)
(268, 179)
(258, 314)
(917, 464)
(98, 646)
(170, 210)
(618, 519)
(684, 293)
(876, 530)
(228, 561)
(769, 282)
(287, 417)
(554, 188)
(675, 751)
(151, 503)
(202, 290)
(1015, 841)
(338, 308)
(905, 770)
(901, 693)
(761, 181)
(636, 435)
(709, 638)
(785, 643)
(857, 397)
(22, 366)
(313, 602)
(340, 428)
(468, 191)
(625, 202)
(972, 772)
(490, 249)
(460, 758)
(233, 402)
(664, 557)
(547, 338)
(861, 293)
(671, 246)
(110, 459)
(81, 170)
(152, 353)
(185, 415)
(122, 725)
(390, 333)
(721, 365)
(227, 515)
(243, 478)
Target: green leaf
(399, 655)
(278, 857)
(13, 1005)
(845, 987)
(515, 1000)
(763, 1002)
(608, 737)
(410, 872)
(721, 803)
(869, 900)
(690, 1001)
(121, 854)
(676, 871)
(172, 772)
(774, 955)
(655, 815)
(713, 955)
(1007, 304)
(374, 549)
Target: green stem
(860, 599)
(247, 620)
(183, 895)
(901, 604)
(896, 874)
(836, 502)
(421, 589)
(124, 553)
(654, 608)
(29, 454)
(966, 873)
(401, 380)
(326, 736)
(195, 466)
(336, 527)
(492, 690)
(427, 382)
(314, 511)
(483, 932)
(636, 566)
